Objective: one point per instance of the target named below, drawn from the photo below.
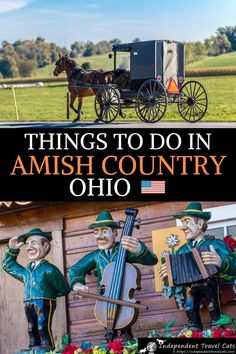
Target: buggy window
(123, 60)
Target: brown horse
(77, 75)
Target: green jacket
(228, 266)
(45, 281)
(98, 260)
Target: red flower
(70, 349)
(116, 346)
(230, 242)
(197, 335)
(228, 333)
(217, 333)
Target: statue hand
(163, 272)
(131, 244)
(211, 257)
(14, 243)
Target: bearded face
(37, 247)
(105, 237)
(192, 227)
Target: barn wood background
(68, 222)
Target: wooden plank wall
(78, 241)
(72, 219)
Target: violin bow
(85, 294)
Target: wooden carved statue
(115, 309)
(43, 283)
(199, 270)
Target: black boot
(215, 316)
(194, 321)
(110, 335)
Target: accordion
(188, 267)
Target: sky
(67, 21)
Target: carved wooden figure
(43, 284)
(116, 275)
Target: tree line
(223, 42)
(22, 57)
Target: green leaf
(86, 345)
(169, 324)
(224, 320)
(65, 340)
(154, 334)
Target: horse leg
(72, 100)
(121, 114)
(80, 99)
(80, 105)
(79, 112)
(99, 118)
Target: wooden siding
(70, 220)
(78, 241)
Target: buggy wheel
(193, 101)
(107, 104)
(151, 101)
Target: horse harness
(78, 80)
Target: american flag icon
(153, 187)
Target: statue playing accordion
(188, 268)
(198, 265)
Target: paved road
(117, 124)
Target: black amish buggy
(156, 78)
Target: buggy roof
(126, 47)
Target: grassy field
(48, 103)
(223, 60)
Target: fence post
(68, 105)
(14, 98)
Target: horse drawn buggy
(155, 79)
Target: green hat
(194, 209)
(104, 219)
(35, 232)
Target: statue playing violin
(109, 252)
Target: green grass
(48, 103)
(34, 103)
(223, 60)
